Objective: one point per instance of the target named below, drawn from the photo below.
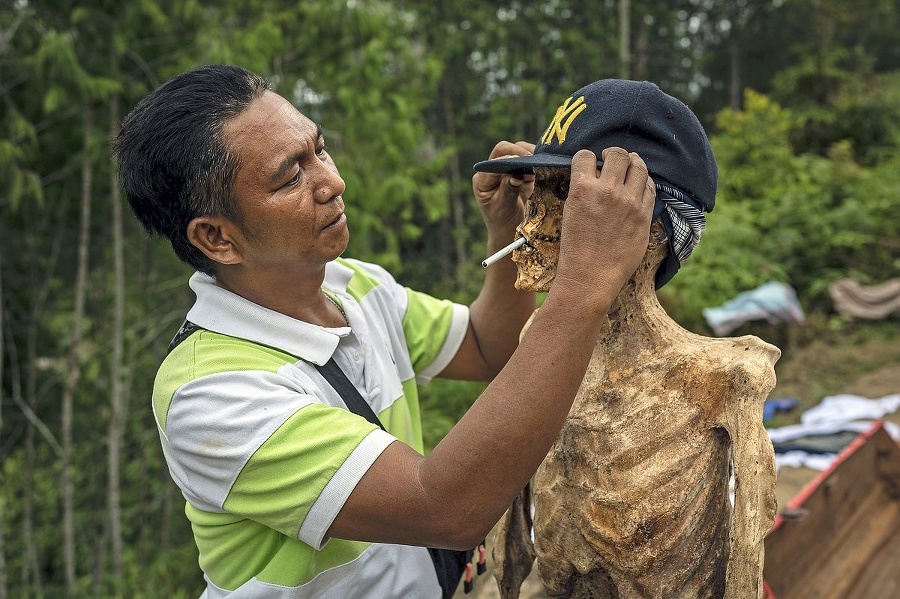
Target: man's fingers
(649, 191)
(517, 181)
(485, 182)
(527, 146)
(636, 177)
(507, 149)
(615, 163)
(513, 183)
(584, 165)
(629, 170)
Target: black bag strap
(187, 329)
(348, 392)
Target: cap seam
(634, 108)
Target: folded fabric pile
(870, 302)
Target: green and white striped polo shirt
(265, 451)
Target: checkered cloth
(684, 223)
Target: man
(289, 493)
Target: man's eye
(321, 152)
(294, 180)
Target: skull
(536, 260)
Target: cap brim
(525, 164)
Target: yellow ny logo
(565, 115)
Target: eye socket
(294, 180)
(322, 151)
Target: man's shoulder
(205, 356)
(206, 352)
(369, 284)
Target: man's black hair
(173, 161)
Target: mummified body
(633, 500)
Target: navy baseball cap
(636, 116)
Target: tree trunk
(3, 590)
(30, 568)
(73, 371)
(641, 51)
(31, 564)
(457, 209)
(624, 39)
(118, 405)
(40, 290)
(735, 92)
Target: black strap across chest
(348, 392)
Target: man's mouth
(339, 219)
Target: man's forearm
(509, 429)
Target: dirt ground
(869, 369)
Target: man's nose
(329, 183)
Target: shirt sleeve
(247, 444)
(433, 328)
(434, 331)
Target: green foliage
(727, 261)
(800, 218)
(860, 107)
(410, 94)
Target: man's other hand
(502, 197)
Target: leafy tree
(800, 218)
(410, 94)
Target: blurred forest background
(801, 99)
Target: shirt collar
(222, 311)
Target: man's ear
(215, 236)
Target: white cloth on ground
(834, 414)
(773, 302)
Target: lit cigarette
(504, 252)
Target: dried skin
(632, 501)
(640, 476)
(514, 556)
(536, 262)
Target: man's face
(287, 188)
(536, 261)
